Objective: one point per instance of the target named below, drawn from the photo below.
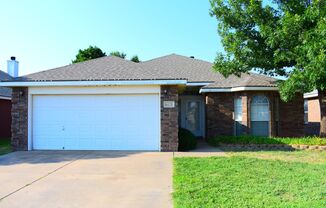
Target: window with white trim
(260, 115)
(238, 116)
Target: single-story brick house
(5, 108)
(114, 104)
(312, 114)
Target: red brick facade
(286, 119)
(292, 118)
(5, 118)
(219, 114)
(169, 119)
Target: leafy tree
(135, 59)
(91, 52)
(279, 37)
(118, 54)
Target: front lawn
(216, 141)
(5, 146)
(251, 179)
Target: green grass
(5, 146)
(216, 141)
(254, 179)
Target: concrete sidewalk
(202, 150)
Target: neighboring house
(312, 113)
(114, 104)
(5, 108)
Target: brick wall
(19, 115)
(287, 120)
(219, 114)
(5, 118)
(169, 119)
(291, 116)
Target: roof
(246, 80)
(170, 67)
(5, 91)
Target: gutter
(5, 98)
(91, 83)
(238, 89)
(198, 83)
(311, 94)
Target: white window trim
(234, 115)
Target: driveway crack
(42, 177)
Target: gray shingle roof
(246, 80)
(4, 91)
(167, 67)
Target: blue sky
(48, 34)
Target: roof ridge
(262, 75)
(79, 63)
(174, 54)
(159, 57)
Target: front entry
(192, 114)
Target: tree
(278, 37)
(118, 54)
(135, 59)
(91, 52)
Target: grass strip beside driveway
(5, 146)
(250, 181)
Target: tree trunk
(322, 104)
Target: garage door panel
(113, 122)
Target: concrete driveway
(86, 179)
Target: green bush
(247, 139)
(187, 141)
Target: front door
(192, 114)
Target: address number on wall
(168, 104)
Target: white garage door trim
(114, 90)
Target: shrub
(187, 141)
(247, 139)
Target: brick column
(272, 99)
(169, 119)
(19, 115)
(245, 114)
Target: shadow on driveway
(49, 156)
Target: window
(305, 111)
(238, 116)
(260, 116)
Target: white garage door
(96, 122)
